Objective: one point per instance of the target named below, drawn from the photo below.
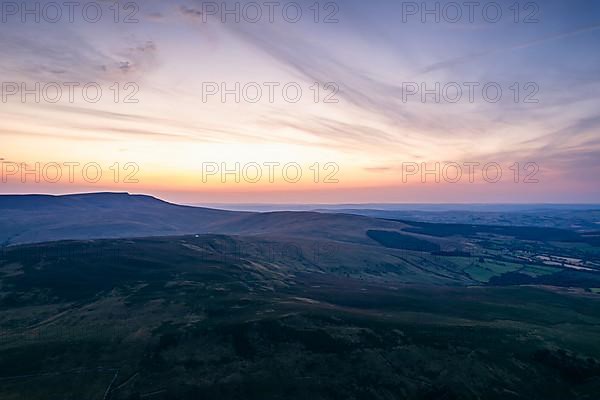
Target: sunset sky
(367, 136)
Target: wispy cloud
(521, 46)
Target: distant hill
(41, 218)
(38, 218)
(581, 218)
(403, 251)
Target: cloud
(135, 124)
(65, 56)
(38, 135)
(190, 12)
(378, 169)
(377, 100)
(154, 16)
(49, 58)
(472, 56)
(137, 60)
(317, 65)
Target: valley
(296, 305)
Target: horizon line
(262, 204)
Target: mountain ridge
(41, 218)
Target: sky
(303, 102)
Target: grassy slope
(191, 318)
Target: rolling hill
(113, 296)
(37, 218)
(220, 317)
(358, 246)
